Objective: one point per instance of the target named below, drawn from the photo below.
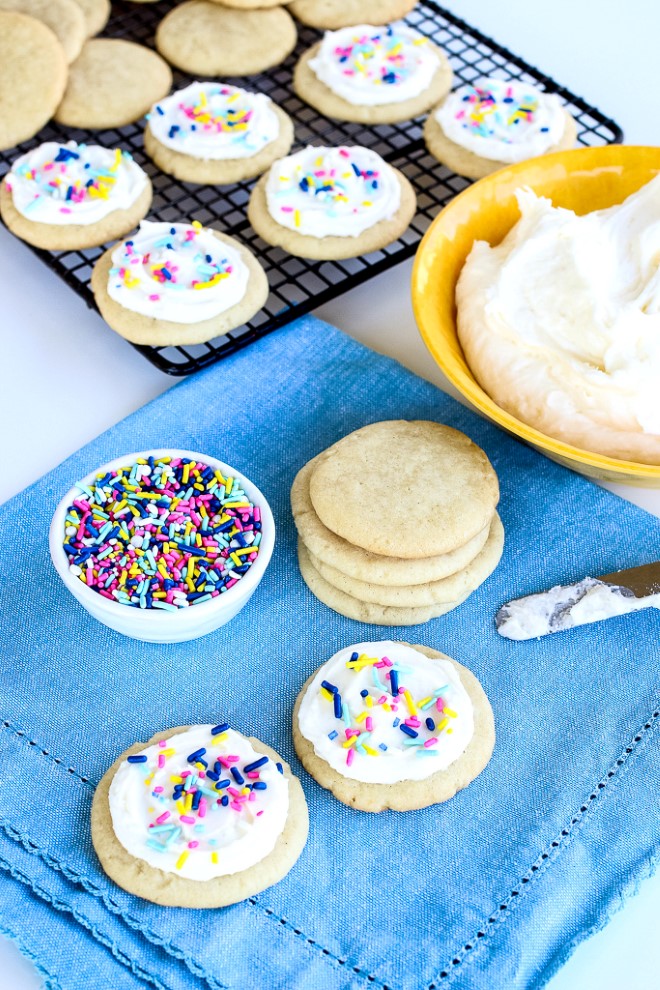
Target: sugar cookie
(204, 38)
(73, 196)
(331, 203)
(215, 133)
(479, 128)
(449, 589)
(32, 79)
(388, 725)
(446, 483)
(332, 14)
(63, 17)
(234, 824)
(112, 83)
(373, 75)
(375, 568)
(96, 14)
(176, 284)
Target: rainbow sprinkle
(162, 533)
(178, 242)
(69, 176)
(386, 58)
(488, 109)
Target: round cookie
(112, 83)
(467, 161)
(354, 608)
(332, 14)
(179, 119)
(140, 302)
(251, 4)
(462, 695)
(70, 197)
(346, 223)
(449, 589)
(341, 555)
(96, 14)
(204, 38)
(429, 489)
(63, 17)
(377, 64)
(32, 79)
(170, 885)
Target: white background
(67, 377)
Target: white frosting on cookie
(366, 711)
(64, 184)
(177, 272)
(214, 121)
(326, 192)
(371, 66)
(168, 809)
(502, 120)
(561, 321)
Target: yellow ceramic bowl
(585, 179)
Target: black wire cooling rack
(297, 285)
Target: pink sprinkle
(253, 775)
(369, 724)
(106, 594)
(260, 812)
(351, 732)
(344, 153)
(162, 743)
(440, 704)
(430, 742)
(257, 514)
(161, 761)
(185, 773)
(158, 790)
(413, 722)
(154, 298)
(387, 662)
(201, 813)
(253, 796)
(64, 209)
(235, 805)
(187, 819)
(193, 844)
(234, 792)
(350, 756)
(162, 818)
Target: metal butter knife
(590, 600)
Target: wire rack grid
(298, 285)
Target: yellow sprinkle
(369, 701)
(229, 484)
(449, 731)
(296, 217)
(219, 738)
(387, 707)
(328, 695)
(182, 858)
(361, 717)
(450, 712)
(188, 802)
(214, 857)
(424, 701)
(442, 724)
(197, 225)
(242, 551)
(181, 807)
(369, 750)
(410, 703)
(176, 780)
(349, 742)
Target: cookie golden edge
(137, 877)
(139, 329)
(471, 166)
(60, 237)
(331, 248)
(206, 171)
(413, 794)
(339, 16)
(311, 90)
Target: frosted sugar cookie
(331, 203)
(375, 568)
(216, 133)
(332, 14)
(207, 39)
(388, 725)
(448, 590)
(96, 14)
(221, 818)
(177, 283)
(32, 79)
(373, 74)
(63, 17)
(479, 128)
(446, 483)
(71, 196)
(112, 83)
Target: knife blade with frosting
(589, 600)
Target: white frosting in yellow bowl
(560, 323)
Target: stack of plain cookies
(397, 522)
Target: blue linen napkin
(491, 890)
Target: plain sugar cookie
(96, 14)
(63, 17)
(112, 83)
(389, 725)
(32, 78)
(204, 38)
(417, 488)
(332, 14)
(191, 837)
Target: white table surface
(67, 377)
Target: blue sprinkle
(220, 786)
(408, 731)
(430, 724)
(337, 704)
(236, 774)
(280, 767)
(249, 767)
(329, 687)
(396, 722)
(225, 800)
(196, 755)
(394, 683)
(259, 785)
(137, 759)
(333, 734)
(383, 747)
(364, 693)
